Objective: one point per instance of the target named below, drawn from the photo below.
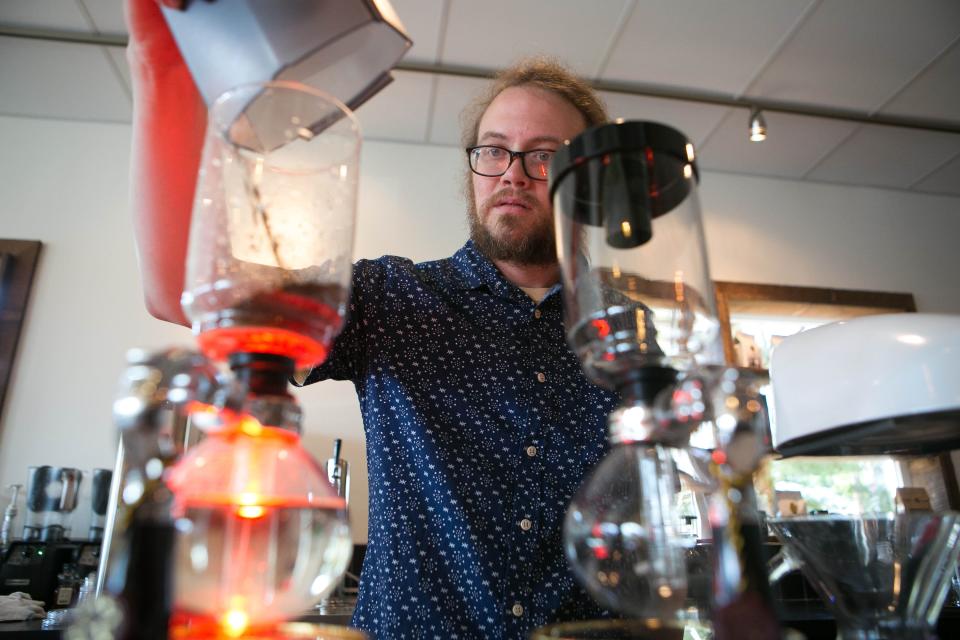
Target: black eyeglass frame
(513, 156)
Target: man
(479, 423)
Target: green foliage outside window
(840, 485)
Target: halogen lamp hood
(346, 48)
(873, 385)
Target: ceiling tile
(58, 80)
(710, 46)
(695, 120)
(453, 94)
(855, 54)
(935, 93)
(887, 156)
(945, 180)
(794, 144)
(63, 15)
(494, 33)
(421, 19)
(400, 111)
(107, 15)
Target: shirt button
(541, 377)
(531, 451)
(525, 524)
(537, 313)
(517, 609)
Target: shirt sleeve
(348, 358)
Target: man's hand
(19, 606)
(151, 46)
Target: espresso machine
(48, 561)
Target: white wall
(808, 234)
(66, 185)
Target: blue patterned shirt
(479, 427)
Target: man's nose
(515, 174)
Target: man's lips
(512, 202)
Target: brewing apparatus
(243, 531)
(52, 494)
(642, 319)
(43, 562)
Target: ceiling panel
(494, 33)
(714, 46)
(400, 111)
(452, 95)
(887, 157)
(57, 80)
(107, 15)
(696, 121)
(794, 144)
(422, 20)
(945, 180)
(855, 54)
(44, 14)
(118, 57)
(935, 93)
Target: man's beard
(535, 247)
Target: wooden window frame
(18, 265)
(846, 303)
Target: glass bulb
(621, 534)
(261, 535)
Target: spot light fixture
(758, 126)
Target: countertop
(32, 629)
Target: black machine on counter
(46, 561)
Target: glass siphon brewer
(641, 317)
(243, 531)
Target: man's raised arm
(169, 120)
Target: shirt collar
(476, 270)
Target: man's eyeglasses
(493, 161)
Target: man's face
(511, 217)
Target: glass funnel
(271, 239)
(882, 576)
